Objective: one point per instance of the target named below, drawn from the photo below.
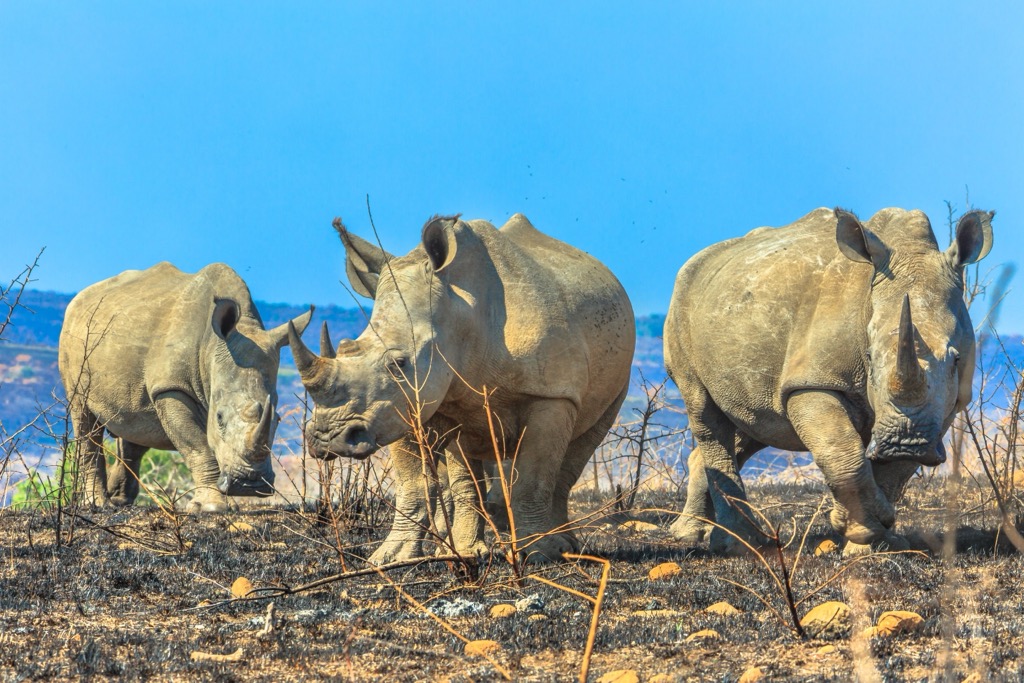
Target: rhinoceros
(827, 335)
(165, 359)
(544, 328)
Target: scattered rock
(703, 635)
(827, 620)
(660, 678)
(457, 607)
(531, 603)
(125, 545)
(973, 678)
(897, 621)
(241, 587)
(235, 656)
(278, 545)
(826, 649)
(723, 608)
(869, 633)
(482, 647)
(826, 547)
(503, 611)
(656, 613)
(240, 528)
(620, 676)
(636, 525)
(664, 571)
(752, 675)
(537, 617)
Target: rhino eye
(220, 420)
(396, 366)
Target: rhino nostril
(356, 435)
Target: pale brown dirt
(100, 607)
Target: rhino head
(369, 391)
(240, 368)
(919, 346)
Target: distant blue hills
(33, 333)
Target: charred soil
(124, 595)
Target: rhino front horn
(312, 368)
(908, 379)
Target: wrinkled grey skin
(165, 359)
(848, 340)
(545, 327)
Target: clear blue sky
(194, 132)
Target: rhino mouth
(352, 440)
(922, 451)
(261, 485)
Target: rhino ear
(363, 261)
(439, 240)
(280, 333)
(973, 238)
(857, 242)
(225, 316)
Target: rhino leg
(861, 510)
(180, 418)
(577, 455)
(696, 521)
(89, 456)
(414, 495)
(547, 433)
(466, 479)
(123, 475)
(717, 438)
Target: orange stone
(664, 571)
(241, 587)
(897, 621)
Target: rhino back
(758, 317)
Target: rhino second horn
(908, 379)
(326, 347)
(264, 427)
(312, 368)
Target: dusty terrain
(125, 596)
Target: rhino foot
(550, 548)
(97, 502)
(396, 551)
(725, 543)
(689, 530)
(477, 549)
(888, 543)
(210, 503)
(122, 501)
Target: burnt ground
(130, 599)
